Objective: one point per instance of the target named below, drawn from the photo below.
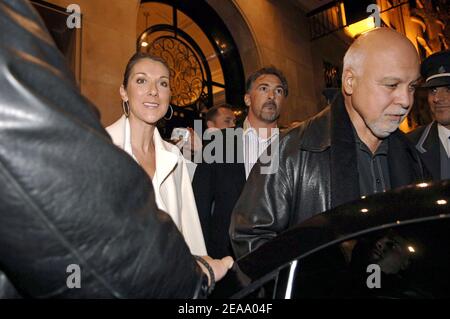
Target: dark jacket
(68, 195)
(217, 187)
(427, 142)
(317, 170)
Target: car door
(407, 260)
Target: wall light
(359, 27)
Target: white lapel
(166, 158)
(165, 155)
(117, 131)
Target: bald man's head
(373, 45)
(381, 70)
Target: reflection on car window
(411, 261)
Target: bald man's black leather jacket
(68, 196)
(315, 169)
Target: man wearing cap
(433, 141)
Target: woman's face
(147, 91)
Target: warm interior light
(144, 44)
(441, 202)
(424, 45)
(411, 249)
(422, 185)
(405, 127)
(344, 18)
(364, 210)
(360, 27)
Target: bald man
(350, 149)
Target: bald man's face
(382, 91)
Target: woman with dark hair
(145, 94)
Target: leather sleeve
(68, 195)
(265, 205)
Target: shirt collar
(444, 134)
(247, 126)
(165, 153)
(381, 150)
(248, 129)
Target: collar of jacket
(248, 128)
(424, 144)
(332, 130)
(330, 126)
(428, 146)
(165, 153)
(320, 129)
(405, 166)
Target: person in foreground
(352, 148)
(63, 200)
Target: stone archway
(241, 31)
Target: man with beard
(433, 141)
(266, 92)
(352, 148)
(218, 183)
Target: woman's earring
(171, 113)
(126, 108)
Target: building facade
(213, 45)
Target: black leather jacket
(67, 194)
(427, 142)
(317, 170)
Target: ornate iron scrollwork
(186, 72)
(331, 73)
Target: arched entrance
(206, 67)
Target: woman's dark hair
(135, 59)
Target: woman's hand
(219, 266)
(194, 142)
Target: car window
(411, 261)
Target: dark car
(390, 245)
